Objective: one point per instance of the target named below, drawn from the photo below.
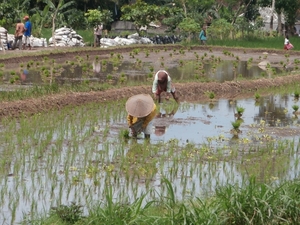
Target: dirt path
(186, 91)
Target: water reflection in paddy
(188, 70)
(196, 122)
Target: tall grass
(253, 203)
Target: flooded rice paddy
(119, 69)
(73, 154)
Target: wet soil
(193, 91)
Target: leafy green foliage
(142, 14)
(175, 17)
(189, 26)
(95, 16)
(220, 29)
(69, 214)
(7, 13)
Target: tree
(287, 7)
(7, 14)
(174, 18)
(141, 14)
(189, 26)
(95, 17)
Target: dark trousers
(97, 39)
(18, 42)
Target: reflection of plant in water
(236, 127)
(296, 94)
(151, 68)
(139, 161)
(236, 124)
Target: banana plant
(60, 8)
(40, 19)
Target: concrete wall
(122, 26)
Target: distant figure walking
(162, 83)
(202, 36)
(27, 32)
(19, 34)
(287, 44)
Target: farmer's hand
(133, 132)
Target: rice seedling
(240, 110)
(295, 108)
(211, 95)
(257, 96)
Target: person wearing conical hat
(141, 111)
(162, 83)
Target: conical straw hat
(139, 105)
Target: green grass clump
(236, 124)
(252, 203)
(240, 110)
(295, 108)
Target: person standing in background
(98, 34)
(27, 33)
(18, 35)
(202, 35)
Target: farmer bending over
(161, 83)
(141, 110)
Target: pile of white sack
(131, 39)
(66, 37)
(10, 38)
(34, 41)
(3, 38)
